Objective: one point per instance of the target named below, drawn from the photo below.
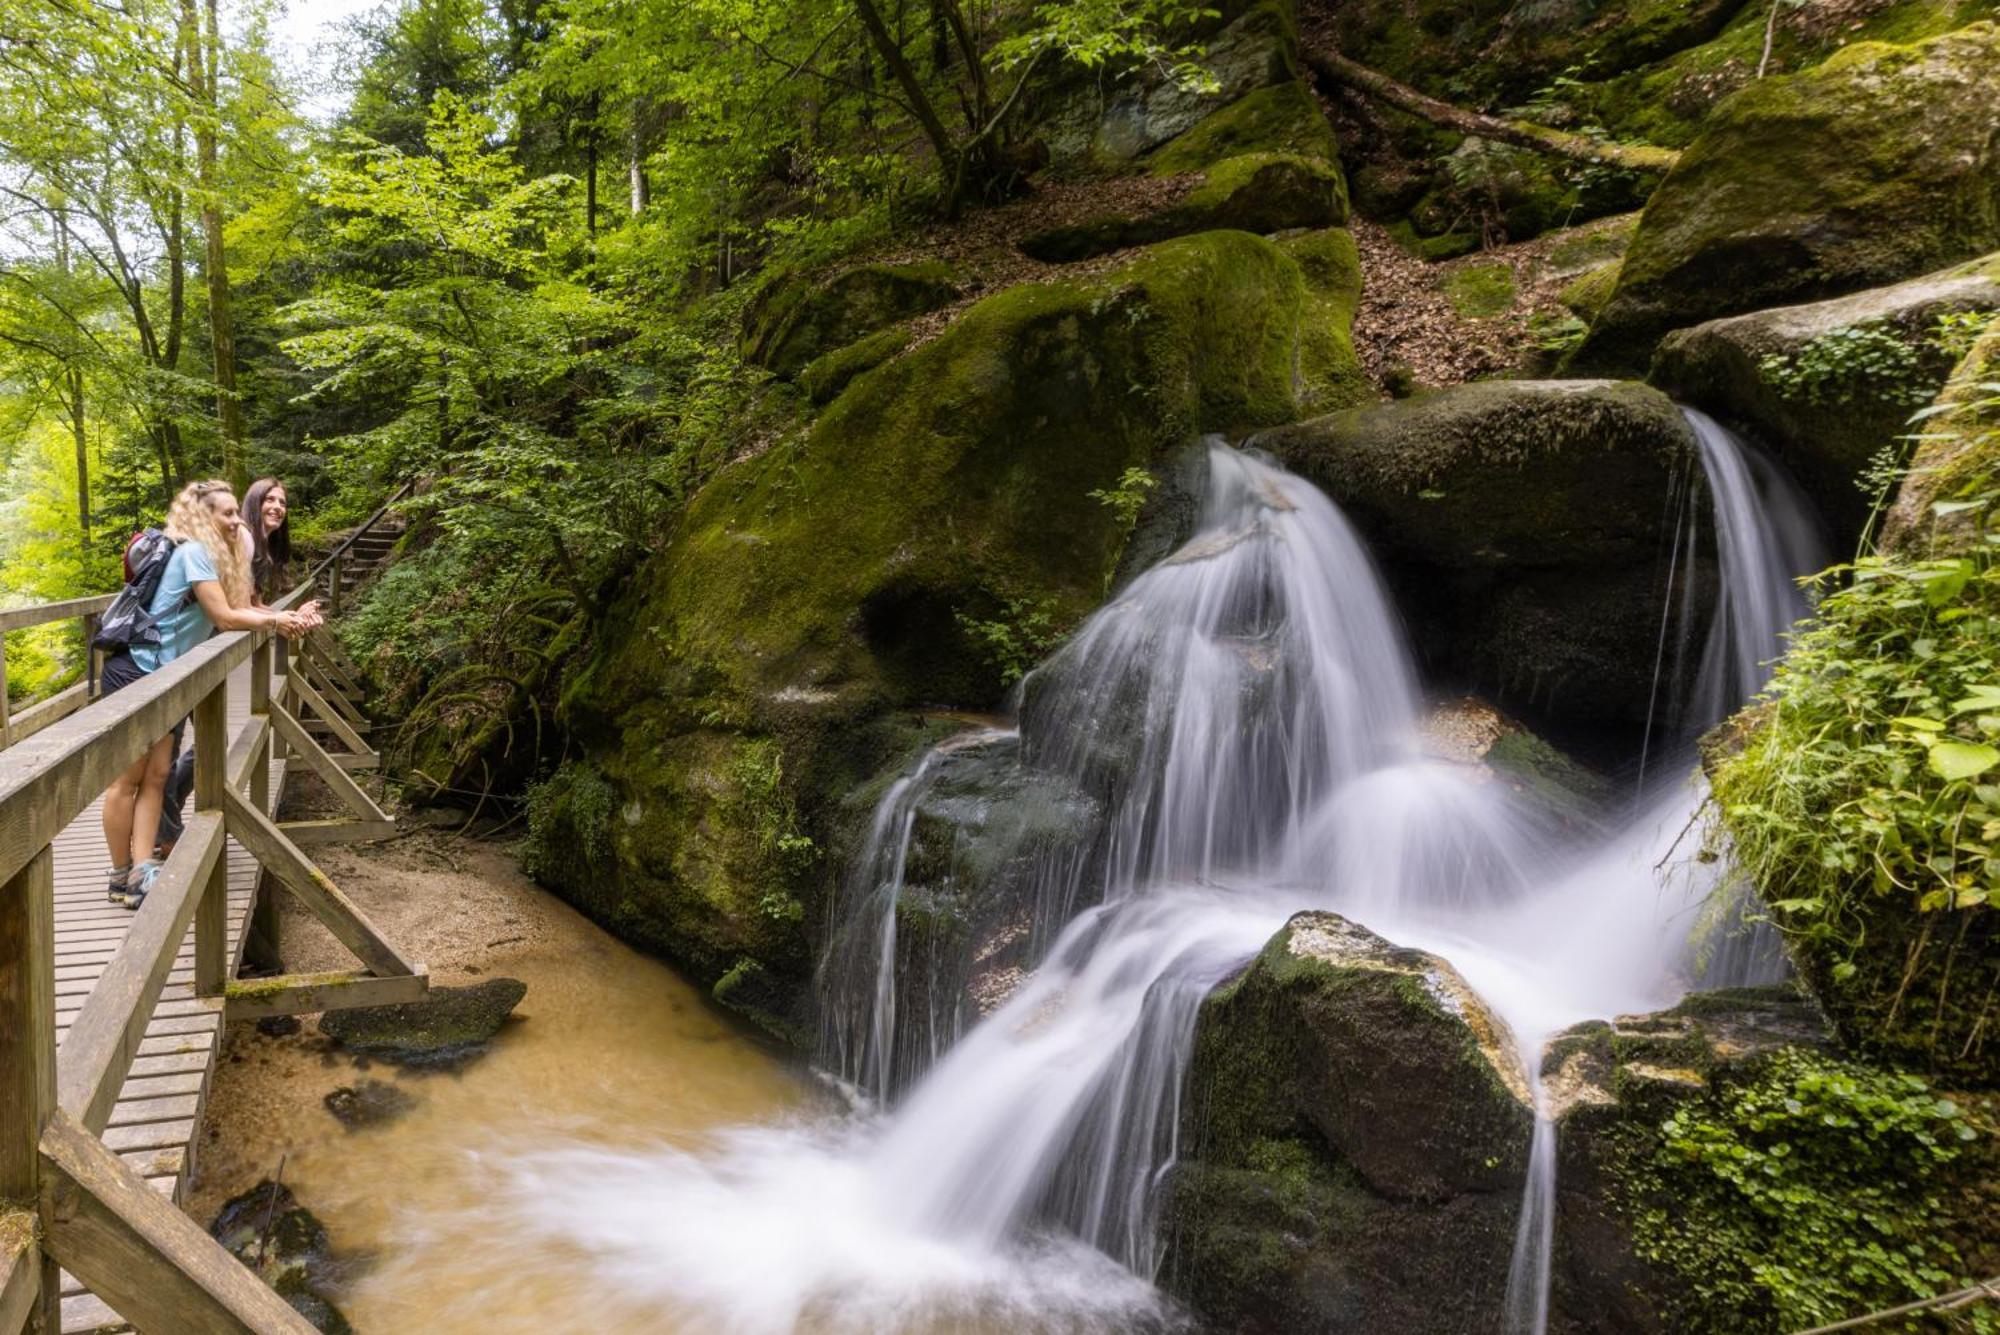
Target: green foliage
(757, 775)
(1128, 498)
(1870, 361)
(1025, 633)
(569, 813)
(1810, 1193)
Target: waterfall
(1230, 740)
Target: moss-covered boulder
(285, 1245)
(448, 1028)
(1256, 192)
(1284, 118)
(1831, 384)
(928, 537)
(795, 321)
(1877, 165)
(1943, 508)
(1091, 123)
(1519, 521)
(1499, 749)
(1356, 1136)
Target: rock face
(1831, 383)
(932, 531)
(446, 1029)
(1958, 458)
(1284, 118)
(1520, 521)
(1880, 164)
(1358, 1126)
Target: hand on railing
(292, 625)
(311, 615)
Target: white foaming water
(1247, 715)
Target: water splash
(1233, 739)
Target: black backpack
(129, 620)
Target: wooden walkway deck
(158, 1115)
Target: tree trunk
(204, 51)
(920, 103)
(1337, 68)
(82, 435)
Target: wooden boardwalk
(158, 1114)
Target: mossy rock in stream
(931, 535)
(448, 1028)
(1519, 522)
(1255, 192)
(1356, 1136)
(1880, 164)
(285, 1245)
(1830, 384)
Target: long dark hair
(270, 552)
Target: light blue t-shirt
(183, 624)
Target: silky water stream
(1234, 738)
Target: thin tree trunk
(82, 435)
(913, 89)
(1524, 134)
(1770, 34)
(205, 47)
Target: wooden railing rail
(66, 701)
(65, 1198)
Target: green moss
(1481, 291)
(824, 377)
(1593, 246)
(1587, 292)
(1284, 118)
(1254, 192)
(1448, 246)
(803, 319)
(1330, 375)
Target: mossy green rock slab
(813, 594)
(1878, 165)
(1256, 192)
(1284, 118)
(1357, 1132)
(449, 1026)
(1784, 374)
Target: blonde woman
(206, 587)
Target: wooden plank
(211, 911)
(169, 1108)
(339, 726)
(309, 833)
(138, 1252)
(329, 689)
(307, 993)
(86, 1312)
(305, 748)
(149, 1135)
(254, 830)
(20, 1270)
(19, 618)
(27, 1062)
(105, 1036)
(44, 712)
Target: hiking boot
(119, 886)
(142, 880)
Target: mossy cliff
(1878, 165)
(933, 525)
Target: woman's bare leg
(119, 800)
(151, 796)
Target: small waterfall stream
(1234, 738)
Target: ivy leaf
(1961, 760)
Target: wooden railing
(67, 1200)
(62, 704)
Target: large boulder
(1880, 164)
(924, 540)
(795, 321)
(1520, 522)
(1255, 192)
(1283, 118)
(1357, 1134)
(1831, 384)
(1944, 505)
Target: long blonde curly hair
(192, 518)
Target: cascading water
(1237, 737)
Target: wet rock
(286, 1246)
(369, 1103)
(446, 1029)
(1875, 166)
(279, 1026)
(1357, 1133)
(1832, 383)
(1469, 731)
(1519, 522)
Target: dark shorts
(119, 672)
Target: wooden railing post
(211, 782)
(263, 946)
(333, 587)
(92, 660)
(6, 730)
(27, 1077)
